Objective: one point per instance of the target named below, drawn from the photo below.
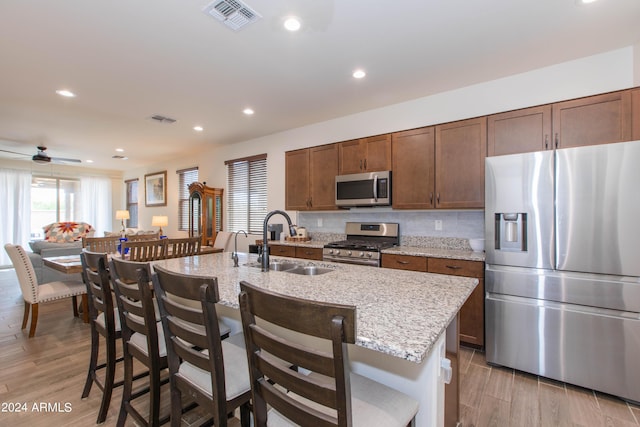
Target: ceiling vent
(233, 13)
(162, 119)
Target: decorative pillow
(66, 231)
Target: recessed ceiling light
(120, 150)
(248, 111)
(89, 161)
(358, 74)
(581, 2)
(66, 93)
(198, 128)
(292, 23)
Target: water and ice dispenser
(511, 231)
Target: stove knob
(330, 251)
(337, 251)
(349, 253)
(369, 254)
(361, 254)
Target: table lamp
(122, 215)
(160, 221)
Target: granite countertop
(400, 313)
(467, 255)
(435, 253)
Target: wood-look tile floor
(496, 396)
(50, 369)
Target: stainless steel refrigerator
(563, 265)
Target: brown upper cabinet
(369, 154)
(460, 150)
(310, 178)
(635, 114)
(521, 131)
(413, 178)
(599, 119)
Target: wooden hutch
(205, 212)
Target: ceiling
(129, 60)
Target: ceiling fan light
(43, 160)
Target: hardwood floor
(495, 396)
(50, 370)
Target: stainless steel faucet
(265, 245)
(234, 255)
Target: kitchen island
(402, 316)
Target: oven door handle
(375, 188)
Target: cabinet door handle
(546, 141)
(557, 140)
(431, 199)
(365, 164)
(438, 199)
(453, 267)
(402, 262)
(360, 164)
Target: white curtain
(15, 211)
(96, 203)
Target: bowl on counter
(477, 245)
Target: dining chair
(142, 338)
(107, 245)
(34, 294)
(105, 321)
(143, 236)
(330, 395)
(203, 367)
(181, 247)
(144, 250)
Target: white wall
(609, 71)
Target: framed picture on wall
(155, 189)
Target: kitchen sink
(309, 270)
(282, 266)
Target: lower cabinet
(309, 253)
(282, 250)
(296, 252)
(472, 312)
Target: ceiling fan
(43, 158)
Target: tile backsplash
(415, 226)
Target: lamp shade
(122, 214)
(159, 221)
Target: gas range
(364, 242)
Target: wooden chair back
(135, 300)
(271, 379)
(101, 244)
(144, 250)
(96, 277)
(138, 237)
(182, 247)
(187, 331)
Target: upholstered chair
(33, 294)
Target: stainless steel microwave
(364, 189)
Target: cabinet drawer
(282, 250)
(404, 262)
(456, 267)
(308, 253)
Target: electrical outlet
(319, 222)
(438, 225)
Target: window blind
(132, 202)
(246, 193)
(186, 177)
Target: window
(247, 193)
(132, 202)
(53, 200)
(186, 178)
